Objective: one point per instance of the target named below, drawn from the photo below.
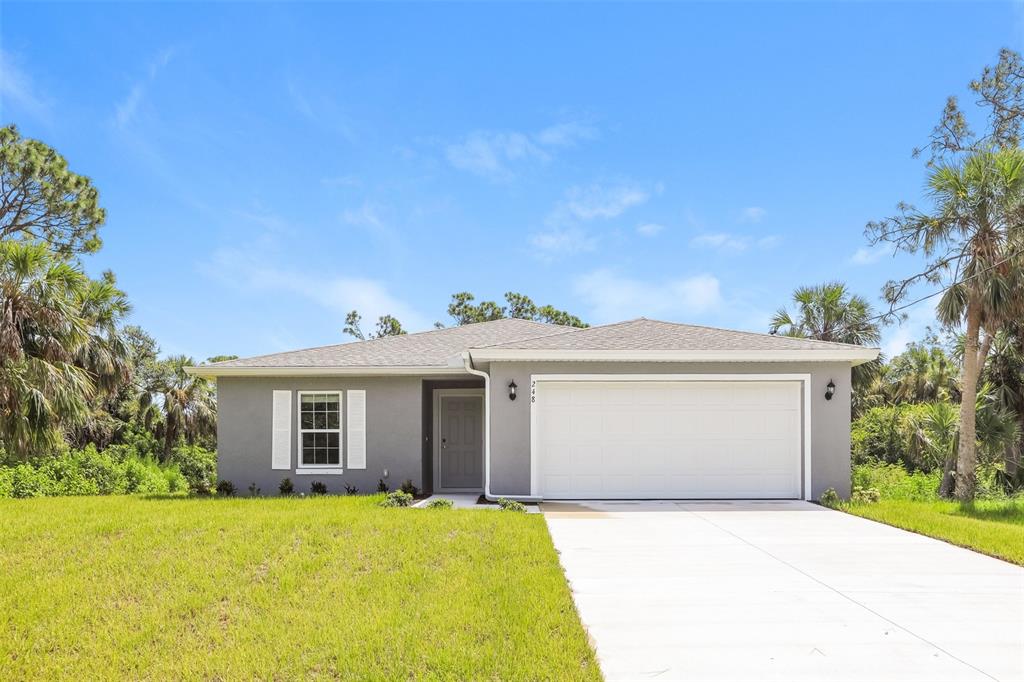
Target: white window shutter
(356, 429)
(281, 441)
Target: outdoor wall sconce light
(830, 390)
(512, 390)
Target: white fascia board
(213, 371)
(855, 356)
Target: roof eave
(213, 371)
(855, 356)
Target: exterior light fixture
(830, 390)
(512, 390)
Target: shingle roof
(422, 349)
(437, 348)
(654, 335)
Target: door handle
(444, 443)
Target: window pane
(333, 420)
(332, 440)
(307, 455)
(307, 401)
(321, 456)
(332, 456)
(306, 421)
(319, 421)
(307, 440)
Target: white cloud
(16, 87)
(649, 229)
(369, 217)
(488, 154)
(867, 256)
(752, 214)
(560, 242)
(565, 134)
(127, 108)
(492, 154)
(565, 234)
(248, 271)
(599, 201)
(610, 296)
(734, 243)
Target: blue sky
(267, 168)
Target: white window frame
(320, 469)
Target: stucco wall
(510, 420)
(393, 431)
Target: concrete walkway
(784, 591)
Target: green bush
(286, 487)
(27, 481)
(439, 503)
(894, 482)
(6, 482)
(176, 482)
(408, 487)
(865, 496)
(226, 489)
(397, 499)
(511, 505)
(829, 498)
(317, 488)
(198, 466)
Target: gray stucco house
(638, 409)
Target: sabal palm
(977, 223)
(42, 331)
(922, 374)
(828, 312)
(187, 402)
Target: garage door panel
(669, 439)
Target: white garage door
(668, 439)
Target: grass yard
(992, 527)
(334, 587)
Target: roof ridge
(384, 338)
(570, 330)
(744, 331)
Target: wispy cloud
(17, 88)
(724, 241)
(126, 110)
(559, 242)
(249, 271)
(610, 296)
(868, 256)
(649, 229)
(370, 217)
(752, 214)
(492, 154)
(565, 231)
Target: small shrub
(26, 481)
(176, 482)
(397, 499)
(6, 482)
(317, 488)
(351, 489)
(254, 491)
(286, 487)
(829, 498)
(893, 482)
(382, 487)
(408, 487)
(226, 489)
(865, 496)
(511, 505)
(98, 467)
(197, 465)
(440, 503)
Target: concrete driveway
(785, 591)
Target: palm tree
(975, 231)
(1005, 372)
(42, 331)
(923, 374)
(187, 403)
(830, 313)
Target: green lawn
(130, 588)
(993, 527)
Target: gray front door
(461, 443)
